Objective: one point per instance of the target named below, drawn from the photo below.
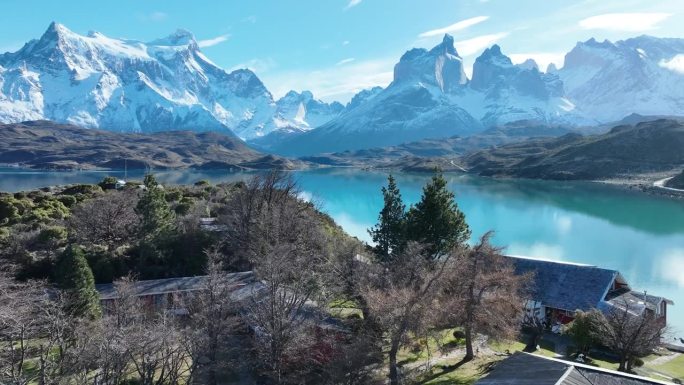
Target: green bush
(52, 235)
(9, 213)
(46, 210)
(4, 234)
(82, 189)
(174, 196)
(67, 200)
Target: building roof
(171, 285)
(566, 286)
(529, 369)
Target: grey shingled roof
(521, 368)
(171, 285)
(529, 369)
(564, 285)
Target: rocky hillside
(654, 146)
(677, 181)
(47, 145)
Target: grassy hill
(653, 146)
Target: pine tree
(156, 217)
(75, 278)
(388, 234)
(436, 220)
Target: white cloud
(333, 83)
(629, 22)
(152, 16)
(477, 44)
(538, 250)
(672, 266)
(158, 16)
(543, 59)
(354, 227)
(676, 64)
(353, 3)
(346, 42)
(459, 26)
(344, 61)
(250, 19)
(213, 41)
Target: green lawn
(673, 368)
(546, 348)
(454, 372)
(344, 308)
(438, 343)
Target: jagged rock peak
(445, 47)
(180, 37)
(441, 67)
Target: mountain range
(130, 86)
(125, 85)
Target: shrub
(67, 200)
(9, 213)
(82, 189)
(52, 235)
(108, 183)
(459, 334)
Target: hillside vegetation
(646, 147)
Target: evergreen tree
(388, 234)
(75, 278)
(436, 220)
(156, 217)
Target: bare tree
(277, 309)
(627, 331)
(19, 323)
(260, 215)
(213, 320)
(108, 220)
(403, 298)
(485, 293)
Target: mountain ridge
(132, 86)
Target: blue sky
(338, 47)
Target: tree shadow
(448, 369)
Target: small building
(529, 369)
(559, 289)
(212, 224)
(167, 294)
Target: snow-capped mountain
(643, 75)
(431, 97)
(127, 85)
(518, 92)
(300, 112)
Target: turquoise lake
(642, 236)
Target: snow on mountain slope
(300, 112)
(511, 92)
(126, 85)
(431, 97)
(643, 75)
